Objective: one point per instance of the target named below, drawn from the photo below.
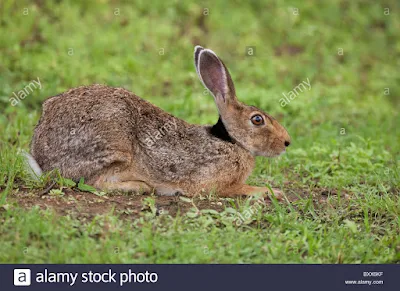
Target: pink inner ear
(213, 74)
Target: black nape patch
(219, 130)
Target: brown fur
(116, 140)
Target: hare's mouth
(274, 154)
(281, 153)
(269, 153)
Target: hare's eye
(257, 120)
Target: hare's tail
(32, 166)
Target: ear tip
(209, 52)
(198, 49)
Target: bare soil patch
(87, 205)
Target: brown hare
(118, 141)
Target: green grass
(343, 162)
(365, 231)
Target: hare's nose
(287, 143)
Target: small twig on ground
(47, 189)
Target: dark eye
(257, 119)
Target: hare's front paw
(277, 193)
(248, 190)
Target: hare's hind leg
(125, 181)
(129, 181)
(247, 190)
(127, 186)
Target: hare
(118, 141)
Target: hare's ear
(197, 50)
(214, 75)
